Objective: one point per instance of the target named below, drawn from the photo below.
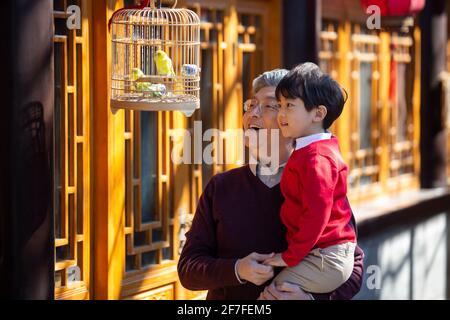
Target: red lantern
(396, 8)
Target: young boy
(316, 213)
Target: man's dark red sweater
(236, 215)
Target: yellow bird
(164, 66)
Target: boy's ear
(320, 113)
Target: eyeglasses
(251, 104)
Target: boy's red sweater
(316, 211)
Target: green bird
(164, 66)
(136, 74)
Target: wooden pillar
(344, 69)
(433, 22)
(301, 31)
(384, 61)
(109, 163)
(26, 212)
(233, 84)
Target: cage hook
(157, 4)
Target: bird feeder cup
(155, 59)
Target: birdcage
(155, 59)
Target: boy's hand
(275, 261)
(251, 268)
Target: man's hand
(275, 261)
(285, 291)
(251, 269)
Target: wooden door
(143, 201)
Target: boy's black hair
(307, 82)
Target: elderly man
(237, 224)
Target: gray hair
(268, 79)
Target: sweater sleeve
(352, 286)
(199, 268)
(318, 177)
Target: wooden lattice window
(149, 214)
(247, 54)
(401, 141)
(378, 129)
(251, 44)
(150, 239)
(329, 53)
(213, 47)
(329, 50)
(71, 153)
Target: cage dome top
(156, 55)
(149, 12)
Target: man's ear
(320, 113)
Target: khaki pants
(322, 270)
